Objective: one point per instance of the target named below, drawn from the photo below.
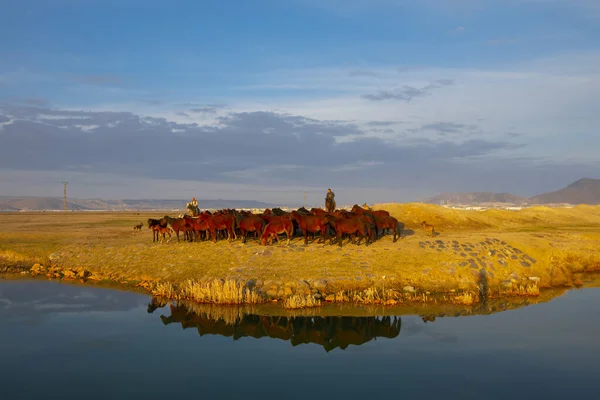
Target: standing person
(329, 201)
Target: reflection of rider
(194, 204)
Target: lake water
(67, 341)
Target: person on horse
(329, 201)
(194, 204)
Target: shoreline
(428, 310)
(476, 257)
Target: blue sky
(484, 95)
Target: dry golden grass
(563, 242)
(301, 301)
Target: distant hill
(584, 191)
(475, 198)
(10, 203)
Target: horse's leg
(288, 234)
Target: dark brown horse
(330, 205)
(251, 223)
(390, 223)
(220, 222)
(272, 218)
(349, 226)
(359, 210)
(197, 226)
(274, 228)
(318, 211)
(154, 224)
(179, 225)
(312, 224)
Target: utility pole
(65, 196)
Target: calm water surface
(63, 341)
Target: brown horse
(164, 231)
(179, 225)
(272, 218)
(428, 228)
(312, 224)
(349, 226)
(197, 225)
(390, 223)
(220, 222)
(154, 224)
(330, 205)
(251, 223)
(274, 228)
(359, 210)
(318, 211)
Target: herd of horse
(361, 223)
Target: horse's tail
(262, 226)
(399, 229)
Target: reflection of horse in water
(329, 332)
(156, 302)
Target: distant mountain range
(13, 203)
(583, 191)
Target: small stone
(68, 274)
(330, 297)
(534, 278)
(83, 274)
(320, 284)
(409, 289)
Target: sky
(379, 100)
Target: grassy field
(474, 255)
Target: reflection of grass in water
(301, 301)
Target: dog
(428, 228)
(138, 227)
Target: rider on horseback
(194, 204)
(329, 201)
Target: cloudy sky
(380, 100)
